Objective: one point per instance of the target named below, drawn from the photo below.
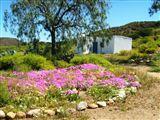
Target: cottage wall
(115, 45)
(108, 46)
(122, 43)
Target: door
(95, 47)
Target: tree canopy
(155, 7)
(60, 18)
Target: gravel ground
(145, 105)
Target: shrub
(73, 97)
(141, 33)
(144, 40)
(37, 62)
(10, 50)
(29, 98)
(139, 57)
(6, 62)
(134, 35)
(149, 47)
(4, 94)
(61, 64)
(27, 62)
(116, 58)
(142, 48)
(125, 52)
(91, 58)
(6, 48)
(156, 63)
(65, 51)
(152, 47)
(54, 93)
(145, 32)
(102, 93)
(133, 56)
(158, 42)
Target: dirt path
(145, 105)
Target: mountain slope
(136, 27)
(6, 41)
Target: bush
(142, 48)
(156, 63)
(91, 58)
(54, 93)
(61, 64)
(27, 62)
(116, 58)
(152, 47)
(148, 48)
(37, 62)
(10, 50)
(102, 93)
(144, 40)
(133, 56)
(65, 51)
(158, 42)
(4, 94)
(6, 63)
(125, 53)
(145, 32)
(138, 58)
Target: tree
(60, 18)
(155, 7)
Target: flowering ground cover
(80, 77)
(52, 88)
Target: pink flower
(135, 84)
(70, 92)
(79, 76)
(117, 82)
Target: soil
(145, 105)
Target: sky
(120, 13)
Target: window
(102, 44)
(87, 46)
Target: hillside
(134, 27)
(133, 30)
(6, 41)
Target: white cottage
(100, 45)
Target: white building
(100, 45)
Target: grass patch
(155, 69)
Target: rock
(101, 104)
(133, 89)
(2, 114)
(121, 94)
(34, 113)
(49, 112)
(114, 98)
(110, 102)
(92, 106)
(71, 110)
(82, 106)
(20, 114)
(11, 115)
(116, 108)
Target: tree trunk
(53, 49)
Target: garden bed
(60, 89)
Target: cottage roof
(124, 37)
